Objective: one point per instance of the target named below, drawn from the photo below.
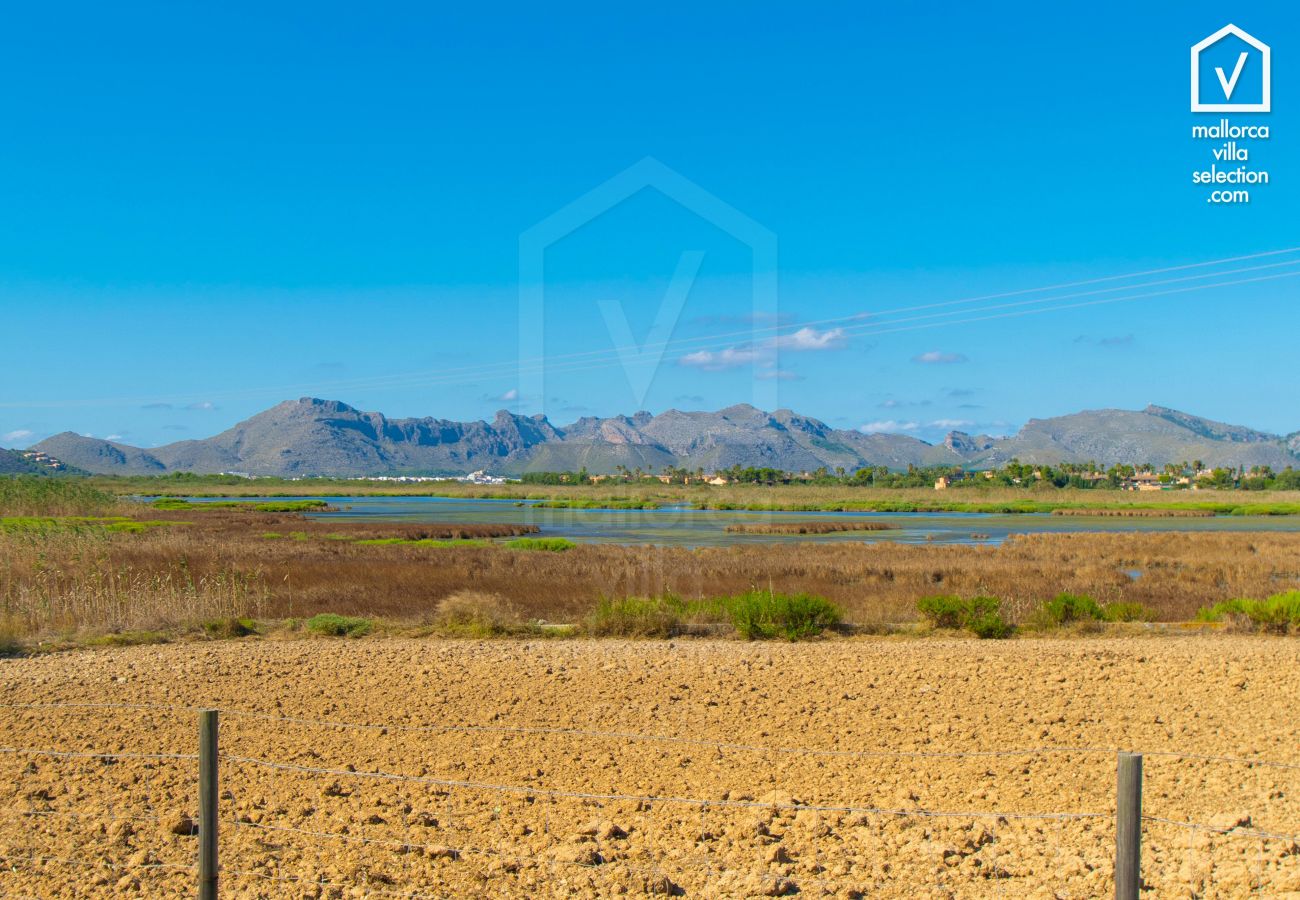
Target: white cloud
(809, 339)
(721, 360)
(950, 424)
(805, 340)
(202, 406)
(113, 437)
(512, 394)
(939, 358)
(888, 426)
(779, 375)
(21, 434)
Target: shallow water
(682, 526)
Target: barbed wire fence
(115, 821)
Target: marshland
(79, 564)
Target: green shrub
(990, 626)
(1127, 611)
(755, 615)
(553, 545)
(979, 607)
(638, 617)
(980, 615)
(334, 625)
(764, 614)
(1279, 613)
(942, 611)
(229, 628)
(1065, 608)
(1219, 611)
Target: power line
(527, 366)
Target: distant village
(1125, 478)
(1191, 476)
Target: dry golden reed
(235, 563)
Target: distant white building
(481, 477)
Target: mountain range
(326, 437)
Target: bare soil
(571, 768)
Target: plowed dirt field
(865, 767)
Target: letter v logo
(1229, 85)
(641, 361)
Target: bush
(1127, 612)
(477, 614)
(1279, 613)
(980, 615)
(661, 617)
(764, 614)
(229, 628)
(755, 615)
(1219, 611)
(942, 611)
(553, 545)
(990, 626)
(1065, 608)
(334, 625)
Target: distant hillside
(1154, 435)
(14, 462)
(326, 437)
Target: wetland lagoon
(686, 526)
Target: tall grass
(753, 615)
(220, 565)
(33, 495)
(58, 599)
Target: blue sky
(205, 211)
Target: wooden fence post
(1128, 827)
(208, 804)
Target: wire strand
(649, 798)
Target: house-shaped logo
(1245, 73)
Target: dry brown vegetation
(232, 563)
(1139, 513)
(826, 527)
